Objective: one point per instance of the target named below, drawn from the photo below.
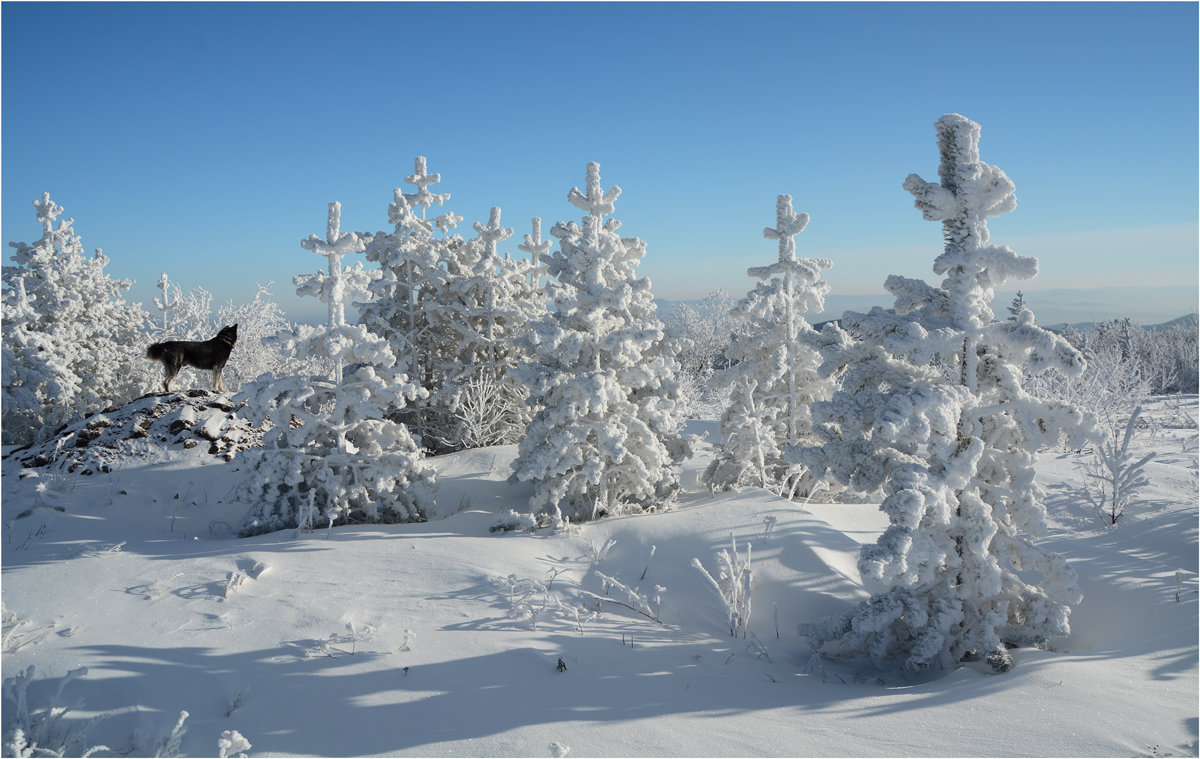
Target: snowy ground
(444, 638)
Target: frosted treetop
(423, 180)
(493, 233)
(596, 201)
(335, 243)
(788, 224)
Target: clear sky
(205, 139)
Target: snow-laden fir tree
(407, 296)
(606, 436)
(330, 455)
(931, 410)
(487, 305)
(72, 345)
(776, 363)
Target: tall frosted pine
(774, 376)
(932, 411)
(606, 437)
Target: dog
(201, 354)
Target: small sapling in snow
(1119, 475)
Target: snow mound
(196, 420)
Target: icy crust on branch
(606, 434)
(72, 345)
(774, 376)
(931, 413)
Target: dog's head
(228, 335)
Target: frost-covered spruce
(774, 374)
(487, 305)
(406, 299)
(72, 345)
(606, 437)
(331, 456)
(931, 411)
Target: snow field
(412, 640)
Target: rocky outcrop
(201, 420)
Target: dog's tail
(155, 352)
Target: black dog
(201, 354)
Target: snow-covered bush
(606, 436)
(331, 455)
(957, 574)
(232, 743)
(774, 378)
(32, 730)
(1118, 475)
(72, 345)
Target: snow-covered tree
(487, 304)
(407, 296)
(331, 455)
(72, 345)
(606, 436)
(958, 573)
(774, 352)
(165, 304)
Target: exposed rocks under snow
(197, 419)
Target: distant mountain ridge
(1148, 307)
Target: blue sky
(205, 139)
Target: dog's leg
(217, 380)
(170, 370)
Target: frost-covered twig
(649, 559)
(169, 746)
(599, 554)
(637, 602)
(37, 731)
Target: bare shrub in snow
(32, 731)
(774, 378)
(72, 345)
(954, 452)
(732, 585)
(606, 437)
